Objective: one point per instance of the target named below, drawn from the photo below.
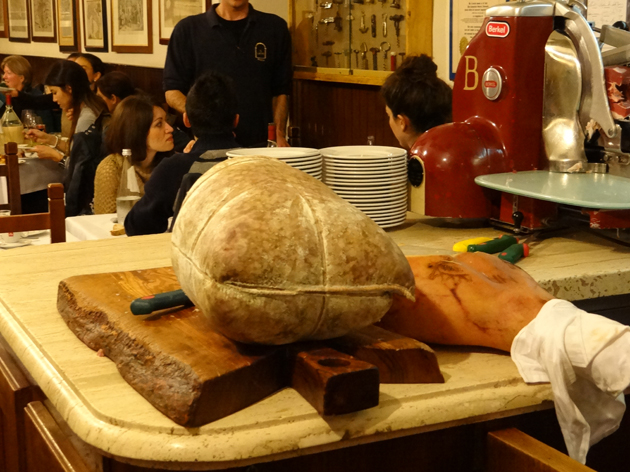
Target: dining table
(92, 227)
(105, 414)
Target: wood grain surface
(195, 375)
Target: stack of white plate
(306, 159)
(372, 178)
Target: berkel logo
(497, 29)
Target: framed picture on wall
(131, 26)
(43, 24)
(18, 21)
(95, 25)
(4, 31)
(67, 26)
(171, 11)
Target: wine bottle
(12, 127)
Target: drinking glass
(29, 120)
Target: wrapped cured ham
(272, 256)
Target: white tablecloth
(89, 227)
(36, 238)
(35, 175)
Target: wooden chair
(513, 450)
(55, 219)
(11, 172)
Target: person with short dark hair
(416, 99)
(211, 113)
(92, 65)
(138, 124)
(114, 87)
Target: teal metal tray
(601, 191)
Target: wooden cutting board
(195, 375)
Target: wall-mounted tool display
(358, 26)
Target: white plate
(386, 213)
(362, 152)
(361, 175)
(20, 243)
(383, 200)
(370, 169)
(391, 206)
(21, 160)
(277, 152)
(370, 193)
(30, 234)
(400, 180)
(391, 225)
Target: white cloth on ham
(586, 358)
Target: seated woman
(81, 153)
(140, 125)
(416, 99)
(114, 87)
(92, 65)
(17, 74)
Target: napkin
(586, 358)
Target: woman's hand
(46, 152)
(40, 137)
(468, 299)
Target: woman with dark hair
(92, 65)
(70, 89)
(140, 125)
(80, 153)
(416, 99)
(114, 87)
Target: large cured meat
(272, 256)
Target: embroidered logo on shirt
(261, 51)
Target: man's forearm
(280, 106)
(176, 100)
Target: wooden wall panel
(338, 114)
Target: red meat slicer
(527, 87)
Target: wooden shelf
(348, 76)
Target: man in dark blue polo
(251, 47)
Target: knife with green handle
(159, 301)
(494, 245)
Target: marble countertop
(104, 411)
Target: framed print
(67, 26)
(171, 11)
(131, 26)
(95, 25)
(4, 31)
(18, 21)
(43, 25)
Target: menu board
(466, 20)
(607, 12)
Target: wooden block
(173, 358)
(513, 450)
(332, 382)
(399, 359)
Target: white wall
(279, 7)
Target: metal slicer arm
(594, 104)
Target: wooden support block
(399, 359)
(334, 383)
(514, 451)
